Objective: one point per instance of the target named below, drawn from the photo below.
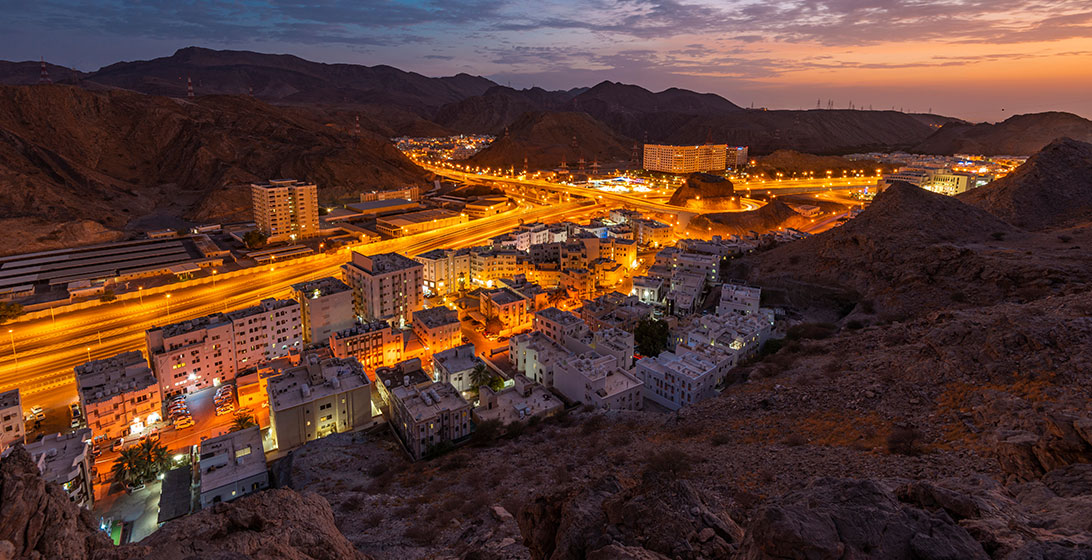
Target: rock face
(703, 191)
(1017, 135)
(546, 139)
(1052, 188)
(497, 108)
(771, 216)
(39, 522)
(788, 162)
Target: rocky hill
(1017, 135)
(497, 108)
(913, 251)
(1053, 188)
(68, 155)
(789, 162)
(546, 139)
(706, 192)
(776, 214)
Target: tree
(9, 311)
(243, 422)
(131, 468)
(480, 375)
(557, 296)
(651, 336)
(107, 296)
(159, 460)
(496, 383)
(254, 239)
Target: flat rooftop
(313, 379)
(377, 206)
(505, 296)
(408, 372)
(383, 262)
(215, 319)
(9, 399)
(281, 183)
(411, 218)
(364, 328)
(429, 401)
(321, 287)
(434, 317)
(231, 457)
(459, 358)
(533, 400)
(101, 380)
(58, 455)
(684, 364)
(556, 315)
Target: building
(285, 209)
(66, 459)
(737, 156)
(675, 380)
(950, 183)
(438, 328)
(454, 365)
(317, 398)
(386, 287)
(557, 325)
(407, 373)
(489, 265)
(326, 307)
(511, 310)
(374, 344)
(741, 300)
(427, 417)
(12, 423)
(685, 159)
(232, 466)
(596, 380)
(207, 351)
(648, 289)
(120, 396)
(536, 356)
(487, 206)
(743, 334)
(650, 233)
(615, 310)
(401, 225)
(445, 271)
(407, 193)
(517, 403)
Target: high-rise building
(206, 351)
(120, 395)
(445, 270)
(286, 209)
(386, 287)
(326, 307)
(685, 159)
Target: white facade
(12, 425)
(675, 380)
(120, 395)
(232, 466)
(444, 271)
(65, 459)
(326, 307)
(386, 287)
(737, 299)
(596, 380)
(286, 209)
(453, 366)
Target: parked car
(75, 408)
(136, 488)
(75, 423)
(183, 422)
(38, 412)
(118, 444)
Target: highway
(48, 350)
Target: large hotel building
(691, 159)
(286, 209)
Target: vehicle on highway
(135, 488)
(183, 422)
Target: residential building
(407, 373)
(650, 233)
(536, 356)
(744, 334)
(489, 265)
(454, 365)
(510, 310)
(317, 398)
(66, 459)
(685, 159)
(528, 235)
(406, 193)
(445, 271)
(557, 324)
(12, 424)
(596, 380)
(737, 156)
(648, 289)
(738, 299)
(401, 225)
(204, 352)
(285, 209)
(517, 403)
(429, 416)
(578, 282)
(531, 291)
(674, 380)
(120, 396)
(326, 307)
(386, 287)
(615, 310)
(438, 328)
(231, 466)
(374, 344)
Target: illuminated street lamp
(168, 298)
(89, 353)
(13, 353)
(140, 294)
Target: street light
(13, 353)
(140, 294)
(168, 307)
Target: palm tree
(480, 376)
(131, 468)
(159, 460)
(243, 422)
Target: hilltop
(1017, 135)
(545, 139)
(1052, 188)
(72, 155)
(497, 108)
(771, 216)
(788, 162)
(704, 191)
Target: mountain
(703, 191)
(30, 72)
(287, 79)
(1052, 188)
(776, 214)
(1017, 135)
(788, 162)
(497, 108)
(546, 139)
(113, 158)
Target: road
(48, 350)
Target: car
(465, 339)
(75, 408)
(75, 423)
(183, 423)
(117, 445)
(135, 488)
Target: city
(259, 306)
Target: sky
(982, 60)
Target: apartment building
(438, 328)
(649, 289)
(204, 352)
(674, 380)
(429, 416)
(615, 310)
(737, 156)
(744, 334)
(739, 300)
(511, 310)
(412, 223)
(594, 379)
(407, 193)
(120, 396)
(685, 159)
(317, 398)
(650, 233)
(66, 459)
(516, 403)
(407, 373)
(386, 287)
(285, 209)
(445, 271)
(326, 307)
(454, 365)
(489, 265)
(536, 356)
(12, 424)
(557, 324)
(231, 466)
(374, 344)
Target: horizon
(977, 62)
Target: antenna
(250, 91)
(357, 126)
(44, 78)
(189, 87)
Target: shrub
(486, 432)
(673, 463)
(795, 440)
(421, 533)
(854, 325)
(593, 424)
(998, 235)
(816, 331)
(904, 440)
(958, 297)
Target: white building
(743, 334)
(651, 233)
(231, 466)
(537, 356)
(120, 396)
(596, 380)
(286, 209)
(557, 324)
(649, 289)
(445, 271)
(428, 416)
(386, 287)
(317, 398)
(453, 366)
(326, 307)
(685, 159)
(374, 344)
(516, 403)
(438, 328)
(204, 352)
(675, 380)
(66, 459)
(737, 299)
(12, 424)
